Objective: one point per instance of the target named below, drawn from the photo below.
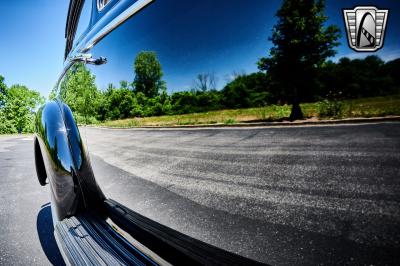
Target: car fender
(65, 161)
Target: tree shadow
(45, 228)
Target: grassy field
(365, 107)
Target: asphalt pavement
(303, 195)
(282, 195)
(26, 228)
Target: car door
(133, 58)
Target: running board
(88, 240)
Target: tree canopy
(148, 74)
(17, 114)
(79, 91)
(345, 79)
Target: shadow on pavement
(44, 225)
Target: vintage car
(89, 227)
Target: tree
(148, 74)
(20, 105)
(392, 70)
(6, 125)
(119, 103)
(247, 91)
(357, 78)
(301, 44)
(205, 81)
(3, 91)
(79, 91)
(123, 84)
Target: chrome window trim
(98, 32)
(114, 23)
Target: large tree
(78, 90)
(19, 107)
(148, 74)
(301, 43)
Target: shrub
(330, 108)
(230, 121)
(85, 120)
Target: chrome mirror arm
(80, 57)
(88, 59)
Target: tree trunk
(296, 112)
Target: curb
(361, 120)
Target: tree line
(147, 94)
(296, 70)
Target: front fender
(72, 183)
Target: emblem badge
(365, 27)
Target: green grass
(365, 107)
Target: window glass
(188, 39)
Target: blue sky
(32, 42)
(32, 38)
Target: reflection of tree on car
(314, 78)
(79, 91)
(301, 45)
